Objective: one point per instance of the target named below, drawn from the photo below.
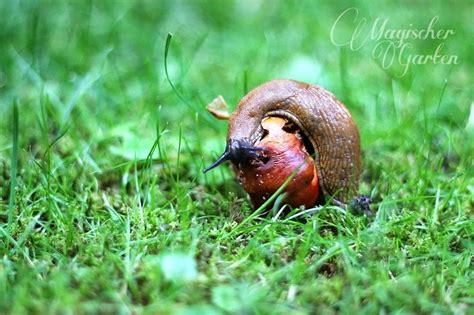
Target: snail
(324, 125)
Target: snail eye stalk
(224, 157)
(237, 151)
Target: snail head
(237, 151)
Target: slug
(326, 126)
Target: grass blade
(175, 90)
(14, 162)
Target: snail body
(283, 153)
(323, 120)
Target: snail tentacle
(237, 151)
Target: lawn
(103, 204)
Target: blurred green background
(100, 63)
(89, 81)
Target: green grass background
(95, 226)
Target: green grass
(103, 204)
